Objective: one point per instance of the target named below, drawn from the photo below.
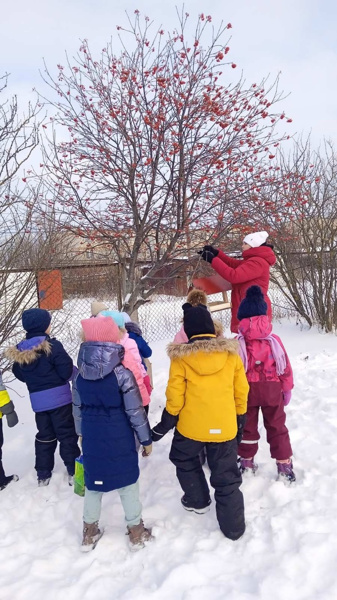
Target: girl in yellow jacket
(206, 403)
(6, 408)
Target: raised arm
(246, 271)
(228, 260)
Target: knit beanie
(256, 239)
(253, 305)
(115, 315)
(36, 320)
(127, 318)
(196, 297)
(103, 329)
(96, 307)
(197, 320)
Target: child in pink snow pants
(270, 379)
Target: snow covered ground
(289, 550)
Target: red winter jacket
(261, 363)
(252, 270)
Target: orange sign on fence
(49, 287)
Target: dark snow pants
(54, 426)
(2, 472)
(225, 479)
(267, 396)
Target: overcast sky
(295, 37)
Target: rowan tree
(18, 139)
(161, 150)
(305, 233)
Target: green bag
(79, 487)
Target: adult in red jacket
(252, 269)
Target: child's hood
(96, 360)
(205, 357)
(255, 328)
(29, 350)
(133, 327)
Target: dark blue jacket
(45, 367)
(135, 333)
(111, 411)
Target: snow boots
(285, 472)
(91, 535)
(247, 465)
(199, 511)
(138, 535)
(7, 480)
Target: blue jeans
(129, 496)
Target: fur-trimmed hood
(28, 351)
(204, 357)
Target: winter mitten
(286, 397)
(241, 420)
(147, 384)
(167, 422)
(147, 450)
(214, 251)
(12, 417)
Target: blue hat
(36, 320)
(253, 305)
(115, 315)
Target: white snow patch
(289, 550)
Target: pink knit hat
(103, 329)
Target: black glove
(167, 422)
(207, 255)
(241, 420)
(214, 251)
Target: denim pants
(129, 496)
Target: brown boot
(138, 535)
(91, 535)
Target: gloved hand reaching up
(207, 255)
(214, 251)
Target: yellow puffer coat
(207, 388)
(4, 396)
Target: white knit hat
(96, 307)
(256, 239)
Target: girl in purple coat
(44, 366)
(270, 381)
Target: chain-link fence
(159, 319)
(69, 291)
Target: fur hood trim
(218, 328)
(209, 346)
(26, 357)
